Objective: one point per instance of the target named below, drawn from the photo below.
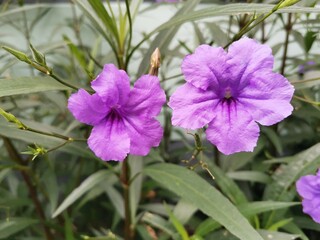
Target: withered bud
(155, 62)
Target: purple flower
(308, 188)
(231, 92)
(123, 120)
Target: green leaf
(230, 9)
(158, 222)
(105, 17)
(248, 210)
(14, 225)
(76, 148)
(26, 85)
(284, 178)
(226, 184)
(306, 162)
(267, 235)
(177, 224)
(254, 176)
(84, 187)
(309, 39)
(191, 187)
(165, 36)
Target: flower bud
(155, 62)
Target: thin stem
(307, 101)
(288, 29)
(247, 28)
(130, 31)
(32, 189)
(62, 82)
(57, 135)
(125, 179)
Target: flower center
(227, 94)
(115, 112)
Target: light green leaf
(267, 235)
(177, 224)
(14, 225)
(254, 176)
(248, 210)
(76, 148)
(84, 187)
(191, 187)
(25, 85)
(226, 184)
(165, 36)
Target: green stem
(130, 31)
(125, 179)
(288, 28)
(62, 82)
(247, 28)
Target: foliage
(53, 187)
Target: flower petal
(205, 67)
(232, 130)
(147, 97)
(192, 107)
(267, 97)
(312, 207)
(109, 140)
(144, 134)
(86, 108)
(112, 85)
(245, 57)
(307, 188)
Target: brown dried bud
(155, 62)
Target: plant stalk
(288, 29)
(32, 189)
(125, 179)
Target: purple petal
(192, 107)
(147, 97)
(312, 207)
(112, 85)
(267, 97)
(245, 57)
(205, 67)
(232, 130)
(306, 187)
(109, 140)
(144, 134)
(86, 108)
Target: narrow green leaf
(177, 224)
(84, 187)
(254, 176)
(26, 85)
(191, 187)
(247, 209)
(107, 20)
(226, 184)
(284, 178)
(306, 162)
(165, 36)
(158, 222)
(76, 148)
(14, 225)
(309, 39)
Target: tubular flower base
(123, 120)
(231, 92)
(308, 188)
